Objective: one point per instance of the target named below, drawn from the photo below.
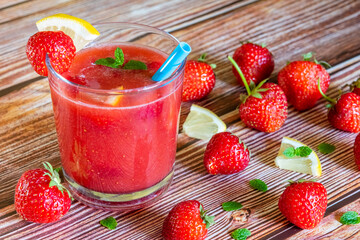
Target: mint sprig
(231, 206)
(350, 218)
(118, 61)
(299, 152)
(326, 148)
(109, 223)
(240, 234)
(258, 185)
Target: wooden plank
(9, 4)
(14, 66)
(27, 135)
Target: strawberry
(187, 221)
(304, 203)
(199, 79)
(255, 61)
(357, 150)
(299, 81)
(265, 106)
(58, 45)
(344, 113)
(40, 197)
(226, 154)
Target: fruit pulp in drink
(114, 141)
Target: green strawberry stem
(241, 75)
(208, 220)
(55, 178)
(324, 96)
(202, 59)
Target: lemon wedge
(309, 164)
(202, 123)
(80, 31)
(114, 100)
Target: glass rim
(153, 86)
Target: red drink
(117, 129)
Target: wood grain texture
(290, 28)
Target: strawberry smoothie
(117, 129)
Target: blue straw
(172, 62)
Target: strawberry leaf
(252, 85)
(213, 65)
(135, 65)
(303, 151)
(54, 178)
(240, 234)
(109, 223)
(307, 56)
(208, 220)
(258, 185)
(256, 95)
(350, 218)
(326, 148)
(202, 57)
(325, 64)
(231, 206)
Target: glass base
(119, 202)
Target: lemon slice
(309, 165)
(202, 123)
(114, 100)
(80, 31)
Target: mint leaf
(111, 62)
(326, 148)
(231, 206)
(289, 152)
(240, 234)
(350, 217)
(108, 62)
(133, 64)
(109, 222)
(303, 151)
(300, 152)
(258, 185)
(119, 56)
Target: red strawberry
(187, 221)
(344, 114)
(265, 106)
(304, 203)
(256, 62)
(357, 150)
(299, 81)
(58, 45)
(226, 154)
(199, 79)
(40, 197)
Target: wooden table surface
(329, 28)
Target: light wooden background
(330, 28)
